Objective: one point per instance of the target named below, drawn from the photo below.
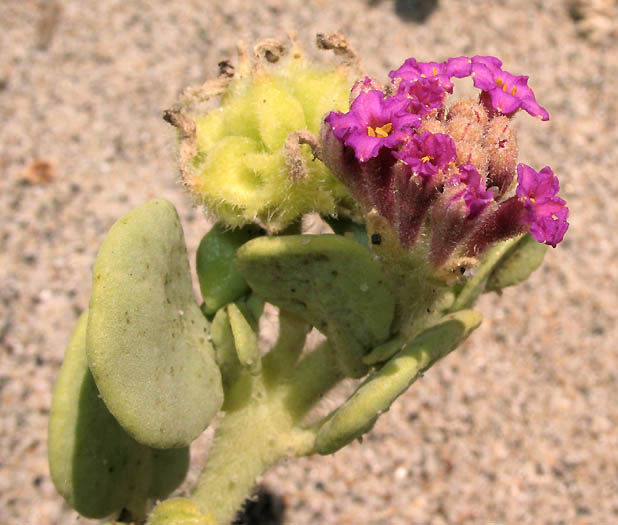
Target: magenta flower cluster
(394, 151)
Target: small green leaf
(245, 340)
(220, 281)
(96, 466)
(376, 394)
(147, 339)
(384, 351)
(225, 351)
(179, 511)
(330, 281)
(517, 264)
(252, 308)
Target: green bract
(241, 167)
(94, 463)
(517, 264)
(148, 346)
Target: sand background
(518, 426)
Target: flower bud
(471, 110)
(467, 132)
(502, 151)
(364, 85)
(431, 125)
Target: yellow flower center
(426, 158)
(434, 70)
(381, 131)
(505, 87)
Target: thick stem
(262, 426)
(248, 441)
(315, 375)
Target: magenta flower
(426, 94)
(507, 93)
(373, 122)
(535, 208)
(545, 212)
(411, 71)
(472, 191)
(428, 153)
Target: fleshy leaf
(147, 339)
(330, 281)
(245, 340)
(517, 264)
(179, 511)
(360, 412)
(96, 466)
(225, 351)
(220, 281)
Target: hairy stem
(262, 426)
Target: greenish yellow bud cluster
(251, 159)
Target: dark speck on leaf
(376, 239)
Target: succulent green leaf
(330, 281)
(179, 511)
(384, 351)
(96, 466)
(170, 468)
(245, 340)
(220, 281)
(147, 339)
(476, 284)
(252, 307)
(517, 264)
(360, 412)
(225, 352)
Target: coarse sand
(518, 426)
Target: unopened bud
(467, 133)
(471, 110)
(431, 125)
(364, 85)
(502, 151)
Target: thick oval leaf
(170, 468)
(220, 281)
(96, 466)
(517, 264)
(360, 412)
(148, 346)
(330, 281)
